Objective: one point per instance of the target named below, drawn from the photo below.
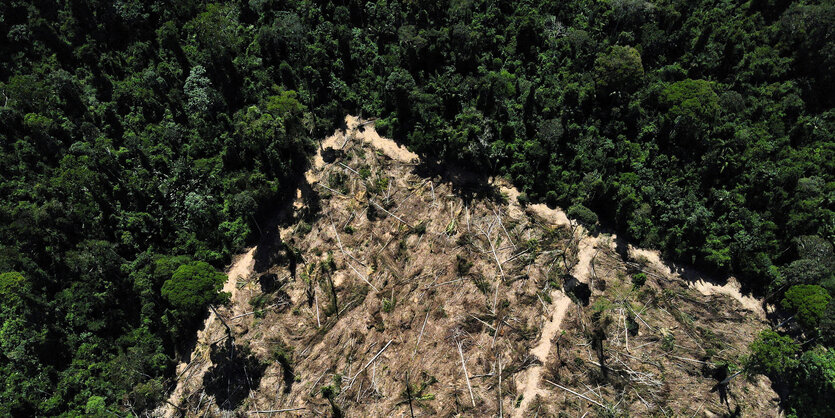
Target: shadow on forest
(268, 282)
(689, 273)
(468, 185)
(271, 248)
(235, 372)
(185, 341)
(721, 388)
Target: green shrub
(639, 279)
(583, 215)
(668, 342)
(420, 228)
(808, 302)
(388, 304)
(523, 199)
(463, 266)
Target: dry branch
(499, 218)
(466, 375)
(274, 411)
(389, 213)
(501, 411)
(575, 393)
(352, 257)
(260, 310)
(349, 168)
(369, 363)
(421, 333)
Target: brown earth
(383, 276)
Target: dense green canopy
(193, 287)
(140, 136)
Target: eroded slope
(383, 276)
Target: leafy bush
(808, 302)
(773, 354)
(639, 279)
(582, 214)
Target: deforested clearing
(391, 289)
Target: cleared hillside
(391, 288)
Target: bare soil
(385, 277)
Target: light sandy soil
(555, 217)
(529, 382)
(531, 378)
(333, 141)
(388, 147)
(588, 247)
(700, 282)
(199, 362)
(359, 130)
(428, 293)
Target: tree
(194, 287)
(773, 354)
(620, 68)
(827, 324)
(132, 133)
(808, 302)
(198, 90)
(583, 214)
(14, 289)
(815, 386)
(690, 99)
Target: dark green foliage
(523, 199)
(815, 384)
(582, 214)
(130, 134)
(693, 100)
(420, 228)
(639, 279)
(14, 289)
(387, 305)
(808, 302)
(827, 325)
(619, 68)
(668, 342)
(773, 354)
(462, 265)
(193, 287)
(133, 132)
(810, 375)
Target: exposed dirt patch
(364, 131)
(394, 272)
(552, 216)
(705, 284)
(530, 381)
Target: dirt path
(199, 361)
(556, 217)
(733, 289)
(533, 375)
(561, 302)
(588, 247)
(368, 134)
(702, 283)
